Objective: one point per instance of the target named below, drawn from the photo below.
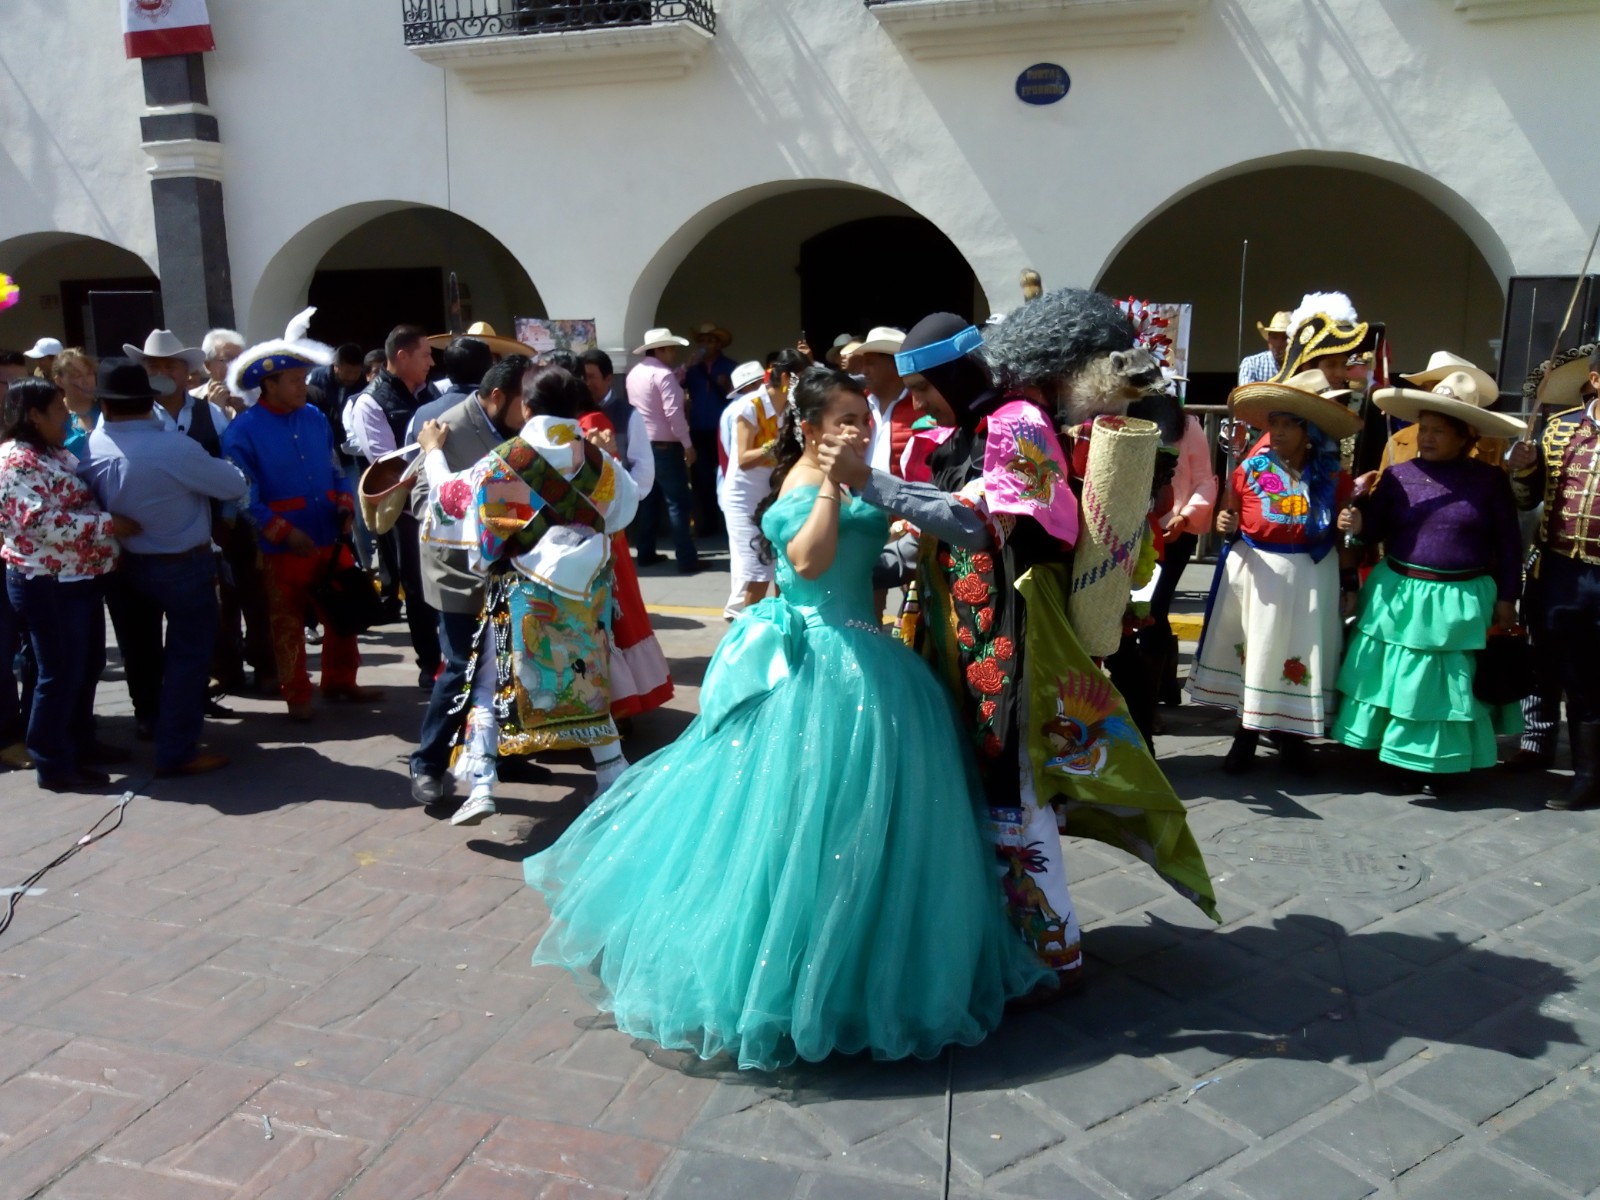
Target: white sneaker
(474, 810)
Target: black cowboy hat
(123, 379)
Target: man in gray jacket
(476, 426)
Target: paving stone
(1279, 1003)
(656, 1103)
(1491, 905)
(773, 1126)
(995, 1133)
(607, 1159)
(1158, 1152)
(909, 1155)
(1116, 892)
(1196, 968)
(700, 1176)
(1562, 935)
(1384, 1135)
(1056, 1177)
(1361, 969)
(1475, 1084)
(99, 1180)
(1100, 1090)
(1477, 1177)
(1560, 1141)
(1297, 1170)
(1440, 1002)
(851, 1187)
(1267, 1096)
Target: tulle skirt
(806, 870)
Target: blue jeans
(67, 629)
(439, 724)
(672, 487)
(11, 635)
(182, 589)
(365, 542)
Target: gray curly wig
(1053, 336)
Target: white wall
(328, 120)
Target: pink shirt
(1194, 484)
(654, 390)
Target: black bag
(345, 596)
(1504, 673)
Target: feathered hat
(294, 349)
(1325, 323)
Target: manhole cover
(1315, 860)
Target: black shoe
(1585, 789)
(1525, 760)
(84, 779)
(427, 789)
(648, 560)
(102, 755)
(1295, 753)
(219, 711)
(390, 612)
(1241, 755)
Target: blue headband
(914, 362)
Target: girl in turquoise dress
(807, 869)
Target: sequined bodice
(841, 595)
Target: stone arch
(55, 269)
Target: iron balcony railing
(431, 21)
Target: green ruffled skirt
(1407, 678)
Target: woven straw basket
(1113, 508)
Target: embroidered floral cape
(48, 516)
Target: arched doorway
(820, 260)
(57, 272)
(372, 267)
(1387, 242)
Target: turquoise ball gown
(808, 868)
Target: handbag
(345, 596)
(1505, 671)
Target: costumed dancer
(640, 678)
(535, 518)
(1452, 568)
(1273, 631)
(1555, 385)
(748, 433)
(804, 871)
(1056, 749)
(1561, 602)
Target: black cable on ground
(94, 835)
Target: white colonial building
(786, 165)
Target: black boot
(1241, 755)
(1585, 789)
(1295, 752)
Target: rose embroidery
(992, 747)
(985, 619)
(982, 563)
(986, 710)
(985, 675)
(1004, 648)
(964, 636)
(1296, 671)
(1269, 483)
(454, 496)
(970, 589)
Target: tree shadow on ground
(1302, 989)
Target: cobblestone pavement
(1404, 1000)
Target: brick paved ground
(1404, 1001)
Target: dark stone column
(180, 132)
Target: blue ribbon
(913, 362)
(758, 654)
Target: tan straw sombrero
(484, 332)
(1305, 395)
(385, 489)
(1278, 324)
(1442, 363)
(1558, 383)
(1459, 395)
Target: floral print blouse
(49, 520)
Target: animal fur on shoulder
(1077, 348)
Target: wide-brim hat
(1278, 324)
(1442, 363)
(385, 489)
(123, 379)
(247, 371)
(1558, 382)
(654, 339)
(1457, 395)
(163, 343)
(884, 339)
(712, 329)
(1300, 396)
(746, 375)
(485, 333)
(45, 347)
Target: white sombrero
(654, 339)
(1306, 395)
(1458, 395)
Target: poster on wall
(1162, 329)
(545, 334)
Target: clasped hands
(843, 457)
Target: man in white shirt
(892, 411)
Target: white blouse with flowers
(49, 520)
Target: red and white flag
(153, 28)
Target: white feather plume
(1335, 305)
(300, 326)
